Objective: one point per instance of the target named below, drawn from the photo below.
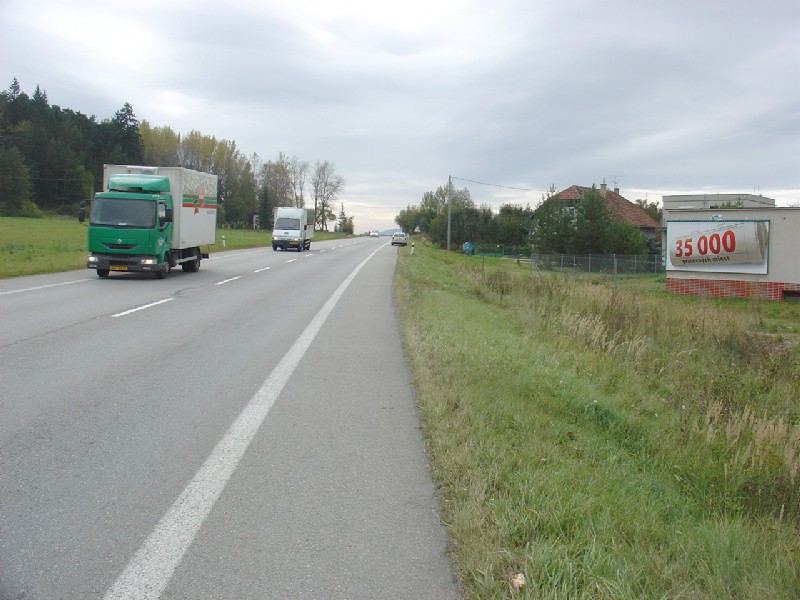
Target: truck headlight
(148, 261)
(92, 258)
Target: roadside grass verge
(607, 441)
(35, 246)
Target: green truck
(151, 219)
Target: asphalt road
(247, 431)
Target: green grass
(34, 246)
(606, 440)
(31, 246)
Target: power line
(496, 185)
(15, 178)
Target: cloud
(681, 95)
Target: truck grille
(120, 246)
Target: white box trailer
(194, 201)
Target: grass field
(33, 246)
(606, 439)
(600, 436)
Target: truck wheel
(102, 273)
(162, 273)
(274, 248)
(192, 266)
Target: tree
(652, 209)
(345, 224)
(277, 177)
(326, 186)
(266, 207)
(127, 134)
(592, 223)
(196, 151)
(513, 225)
(409, 218)
(13, 89)
(625, 238)
(297, 171)
(15, 185)
(160, 146)
(552, 226)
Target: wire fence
(611, 264)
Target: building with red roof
(619, 207)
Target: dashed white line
(138, 308)
(42, 287)
(259, 270)
(228, 280)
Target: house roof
(617, 205)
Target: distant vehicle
(374, 234)
(294, 228)
(151, 219)
(399, 239)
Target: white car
(399, 239)
(374, 234)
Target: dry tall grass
(724, 381)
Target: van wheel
(102, 273)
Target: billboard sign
(718, 246)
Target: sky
(508, 97)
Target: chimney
(603, 189)
(616, 191)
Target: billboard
(718, 246)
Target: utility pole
(449, 184)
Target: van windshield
(287, 223)
(118, 212)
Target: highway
(247, 431)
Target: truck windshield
(119, 212)
(287, 223)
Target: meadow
(602, 437)
(34, 246)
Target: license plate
(117, 268)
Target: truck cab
(130, 226)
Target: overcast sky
(657, 97)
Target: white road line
(151, 568)
(228, 280)
(292, 260)
(42, 287)
(230, 254)
(138, 308)
(259, 270)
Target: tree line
(52, 158)
(554, 226)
